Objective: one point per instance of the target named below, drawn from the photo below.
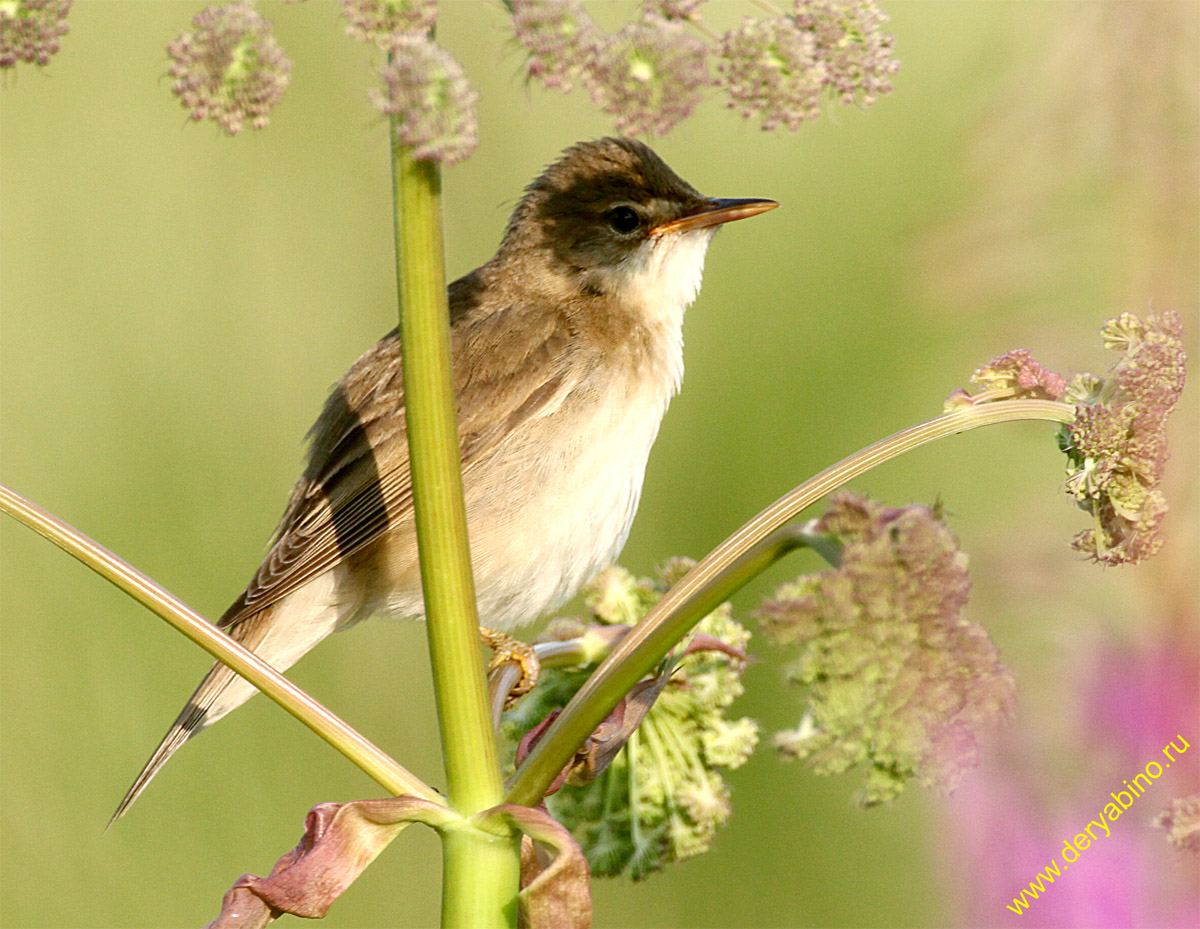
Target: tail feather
(211, 700)
(190, 721)
(280, 634)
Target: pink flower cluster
(229, 68)
(1117, 447)
(30, 30)
(895, 676)
(652, 74)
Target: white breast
(589, 487)
(661, 279)
(569, 510)
(555, 504)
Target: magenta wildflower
(30, 30)
(1011, 818)
(425, 87)
(229, 68)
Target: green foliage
(663, 796)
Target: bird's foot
(504, 649)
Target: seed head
(662, 797)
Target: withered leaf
(339, 841)
(598, 751)
(556, 889)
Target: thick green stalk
(371, 759)
(480, 877)
(721, 573)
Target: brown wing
(357, 481)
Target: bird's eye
(623, 219)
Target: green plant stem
(722, 572)
(591, 647)
(578, 652)
(481, 871)
(481, 874)
(369, 757)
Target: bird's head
(610, 220)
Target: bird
(567, 348)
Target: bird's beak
(715, 212)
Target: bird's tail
(190, 721)
(279, 634)
(221, 691)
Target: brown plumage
(567, 348)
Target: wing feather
(357, 482)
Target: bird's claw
(504, 649)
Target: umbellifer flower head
(383, 21)
(673, 9)
(769, 68)
(778, 68)
(662, 797)
(1016, 374)
(896, 677)
(559, 36)
(425, 87)
(649, 76)
(855, 53)
(30, 30)
(652, 73)
(229, 68)
(1117, 446)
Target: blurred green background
(176, 304)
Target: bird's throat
(656, 285)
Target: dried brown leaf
(555, 888)
(339, 841)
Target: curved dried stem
(160, 601)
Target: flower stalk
(367, 756)
(720, 574)
(481, 874)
